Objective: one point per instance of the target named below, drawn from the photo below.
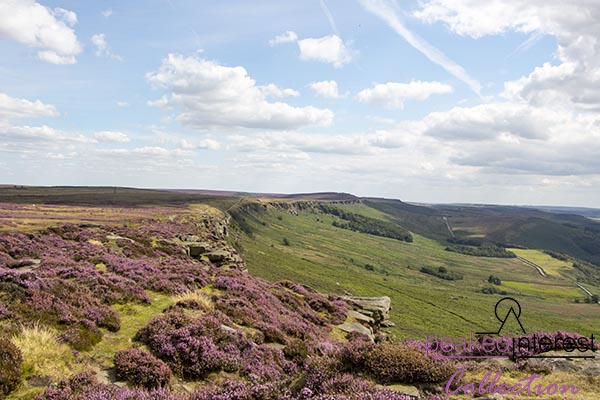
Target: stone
(379, 306)
(196, 249)
(349, 327)
(217, 256)
(404, 389)
(360, 317)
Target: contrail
(528, 43)
(330, 18)
(387, 12)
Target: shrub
(390, 363)
(141, 368)
(296, 351)
(10, 367)
(442, 273)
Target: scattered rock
(349, 327)
(404, 389)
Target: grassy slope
(332, 260)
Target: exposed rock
(196, 249)
(582, 366)
(377, 308)
(361, 317)
(404, 389)
(349, 327)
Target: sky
(438, 101)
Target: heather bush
(82, 336)
(231, 390)
(296, 350)
(10, 367)
(389, 363)
(84, 386)
(353, 355)
(345, 387)
(193, 346)
(141, 368)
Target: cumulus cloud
(211, 95)
(102, 47)
(393, 94)
(122, 104)
(326, 89)
(107, 13)
(38, 139)
(111, 136)
(328, 49)
(287, 37)
(12, 108)
(34, 25)
(273, 90)
(576, 26)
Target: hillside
(138, 294)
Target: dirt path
(534, 265)
(448, 225)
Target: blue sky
(431, 101)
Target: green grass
(550, 265)
(544, 291)
(333, 260)
(133, 318)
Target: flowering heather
(10, 367)
(141, 368)
(267, 340)
(68, 275)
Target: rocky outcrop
(213, 247)
(367, 315)
(376, 308)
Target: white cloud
(24, 139)
(294, 142)
(206, 144)
(385, 10)
(102, 47)
(107, 13)
(393, 94)
(34, 25)
(111, 136)
(274, 91)
(54, 58)
(11, 108)
(122, 104)
(286, 37)
(210, 95)
(328, 49)
(573, 83)
(326, 89)
(148, 151)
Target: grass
(199, 297)
(133, 318)
(333, 260)
(550, 265)
(43, 355)
(544, 291)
